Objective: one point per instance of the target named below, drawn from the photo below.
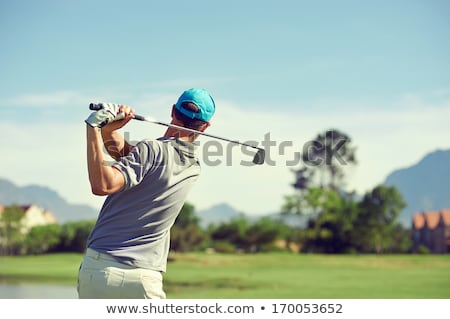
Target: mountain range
(46, 198)
(424, 186)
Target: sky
(286, 70)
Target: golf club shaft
(96, 107)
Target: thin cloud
(50, 99)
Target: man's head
(194, 109)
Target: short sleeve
(139, 162)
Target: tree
(186, 234)
(319, 193)
(42, 239)
(263, 233)
(401, 240)
(257, 236)
(376, 222)
(187, 216)
(328, 152)
(75, 234)
(331, 231)
(234, 232)
(296, 203)
(11, 230)
(338, 223)
(323, 158)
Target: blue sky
(379, 71)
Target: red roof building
(432, 230)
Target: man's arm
(115, 144)
(104, 179)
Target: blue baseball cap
(203, 100)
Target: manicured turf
(308, 276)
(52, 268)
(276, 275)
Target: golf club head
(259, 157)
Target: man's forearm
(115, 143)
(104, 179)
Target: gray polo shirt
(134, 224)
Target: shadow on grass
(220, 283)
(37, 279)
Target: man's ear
(204, 126)
(173, 111)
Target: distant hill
(425, 185)
(223, 213)
(217, 214)
(46, 198)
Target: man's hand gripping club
(110, 112)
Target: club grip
(94, 107)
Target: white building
(34, 216)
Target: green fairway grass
(274, 275)
(52, 268)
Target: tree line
(338, 221)
(340, 225)
(186, 234)
(16, 240)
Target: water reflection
(36, 291)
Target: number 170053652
(306, 308)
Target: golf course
(271, 275)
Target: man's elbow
(114, 183)
(103, 190)
(99, 191)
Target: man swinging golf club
(147, 186)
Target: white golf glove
(109, 112)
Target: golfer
(147, 186)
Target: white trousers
(101, 276)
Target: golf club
(257, 159)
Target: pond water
(36, 291)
